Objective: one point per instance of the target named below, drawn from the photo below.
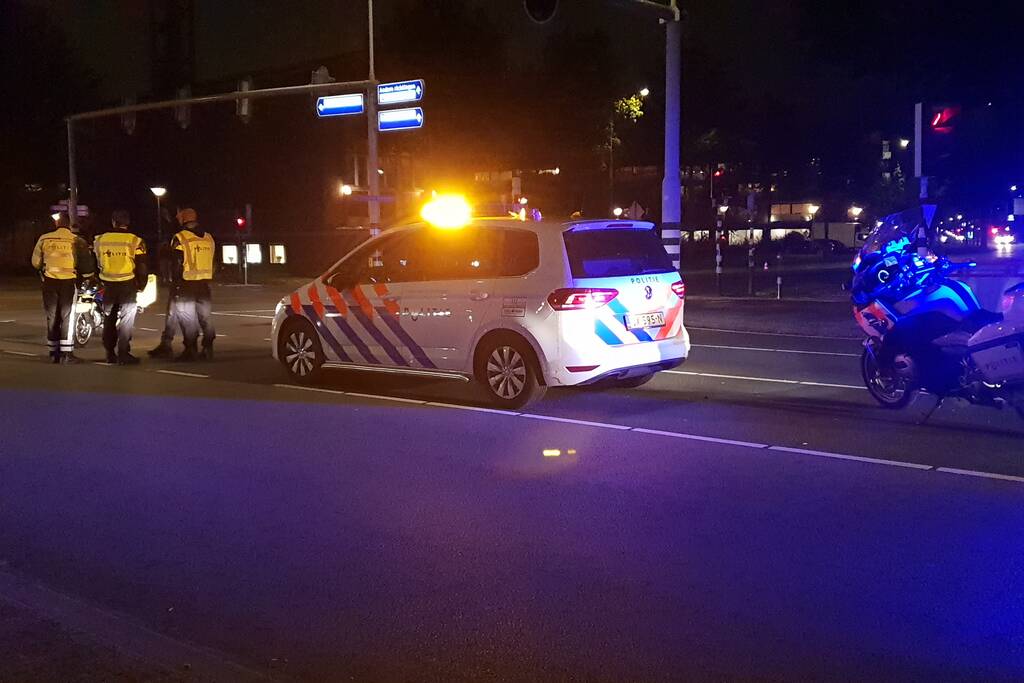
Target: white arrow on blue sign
(400, 92)
(400, 119)
(340, 105)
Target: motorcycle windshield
(898, 231)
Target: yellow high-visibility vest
(115, 255)
(54, 254)
(198, 253)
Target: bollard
(778, 277)
(718, 267)
(750, 272)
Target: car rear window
(615, 252)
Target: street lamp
(630, 108)
(855, 212)
(617, 211)
(644, 92)
(158, 192)
(344, 190)
(904, 143)
(723, 209)
(524, 201)
(55, 217)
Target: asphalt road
(749, 516)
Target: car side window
(398, 258)
(520, 252)
(467, 254)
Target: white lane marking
(6, 321)
(397, 399)
(857, 458)
(313, 389)
(697, 437)
(266, 339)
(743, 377)
(753, 348)
(183, 374)
(975, 473)
(772, 334)
(21, 353)
(245, 315)
(475, 409)
(772, 380)
(677, 435)
(149, 329)
(249, 310)
(585, 423)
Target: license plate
(639, 321)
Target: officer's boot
(162, 350)
(189, 354)
(207, 353)
(69, 358)
(55, 356)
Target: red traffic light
(240, 222)
(718, 173)
(943, 119)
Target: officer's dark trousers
(172, 322)
(194, 306)
(118, 317)
(59, 304)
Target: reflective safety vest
(198, 253)
(115, 255)
(55, 254)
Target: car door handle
(478, 296)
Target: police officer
(62, 259)
(193, 303)
(121, 258)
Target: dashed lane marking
(773, 334)
(797, 351)
(675, 435)
(179, 373)
(244, 315)
(772, 380)
(149, 329)
(21, 353)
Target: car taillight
(576, 299)
(680, 289)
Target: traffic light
(240, 223)
(541, 11)
(719, 172)
(944, 119)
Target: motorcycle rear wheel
(888, 390)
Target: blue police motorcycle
(926, 331)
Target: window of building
(253, 253)
(278, 254)
(229, 254)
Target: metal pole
(718, 266)
(159, 228)
(372, 163)
(671, 213)
(918, 149)
(72, 176)
(611, 163)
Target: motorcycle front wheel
(83, 330)
(888, 389)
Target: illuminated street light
(524, 201)
(904, 143)
(55, 217)
(644, 92)
(158, 192)
(856, 211)
(617, 211)
(813, 209)
(1013, 188)
(344, 189)
(723, 209)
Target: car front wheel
(300, 352)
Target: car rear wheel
(300, 352)
(507, 369)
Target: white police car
(518, 306)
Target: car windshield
(615, 252)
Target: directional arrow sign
(400, 119)
(399, 93)
(340, 105)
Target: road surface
(749, 516)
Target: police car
(517, 306)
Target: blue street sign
(400, 119)
(399, 93)
(340, 105)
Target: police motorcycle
(89, 307)
(926, 331)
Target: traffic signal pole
(918, 149)
(319, 88)
(372, 162)
(671, 211)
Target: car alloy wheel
(506, 372)
(300, 354)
